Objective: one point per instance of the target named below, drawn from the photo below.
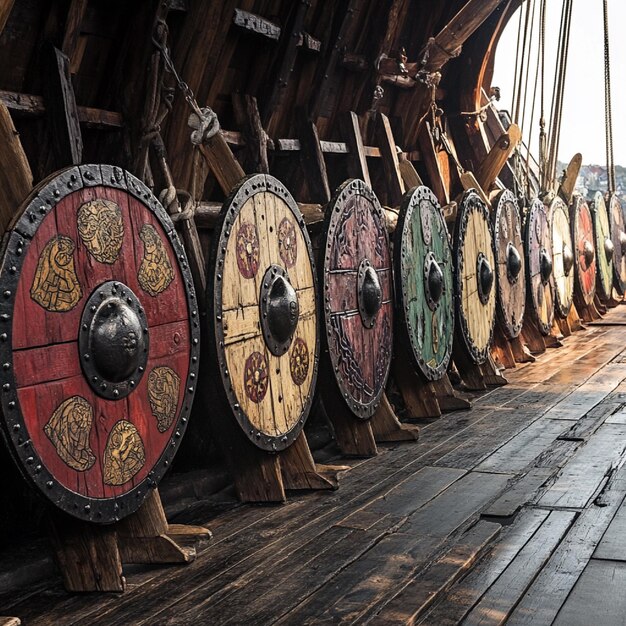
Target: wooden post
(312, 160)
(249, 120)
(499, 154)
(5, 11)
(90, 556)
(389, 154)
(357, 161)
(387, 427)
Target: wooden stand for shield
(355, 436)
(91, 556)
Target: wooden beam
(288, 49)
(312, 160)
(222, 162)
(16, 178)
(391, 165)
(568, 184)
(497, 157)
(61, 109)
(5, 11)
(255, 138)
(357, 161)
(448, 43)
(256, 24)
(74, 21)
(28, 105)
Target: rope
(608, 113)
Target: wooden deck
(512, 510)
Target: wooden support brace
(389, 154)
(520, 351)
(532, 336)
(492, 375)
(437, 168)
(499, 154)
(357, 161)
(447, 397)
(91, 556)
(501, 349)
(387, 427)
(408, 172)
(312, 160)
(61, 109)
(5, 11)
(73, 24)
(354, 436)
(255, 138)
(568, 184)
(419, 399)
(222, 162)
(471, 375)
(299, 470)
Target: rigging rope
(608, 113)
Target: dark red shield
(98, 349)
(356, 281)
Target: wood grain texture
(511, 301)
(562, 246)
(584, 251)
(604, 256)
(538, 242)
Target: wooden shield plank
(356, 279)
(262, 290)
(511, 268)
(424, 288)
(538, 246)
(618, 236)
(584, 257)
(563, 256)
(604, 247)
(101, 341)
(474, 275)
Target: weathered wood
(87, 555)
(357, 161)
(353, 436)
(448, 42)
(519, 495)
(389, 153)
(73, 23)
(299, 470)
(10, 621)
(256, 24)
(312, 160)
(499, 154)
(583, 475)
(386, 426)
(5, 11)
(16, 178)
(419, 399)
(570, 176)
(222, 162)
(408, 172)
(425, 589)
(61, 109)
(285, 60)
(551, 587)
(455, 605)
(255, 152)
(498, 602)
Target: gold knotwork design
(55, 286)
(163, 388)
(124, 454)
(155, 271)
(68, 429)
(101, 229)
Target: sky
(583, 128)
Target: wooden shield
(262, 289)
(100, 342)
(538, 244)
(474, 275)
(562, 256)
(618, 236)
(356, 283)
(511, 270)
(604, 247)
(423, 267)
(584, 254)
